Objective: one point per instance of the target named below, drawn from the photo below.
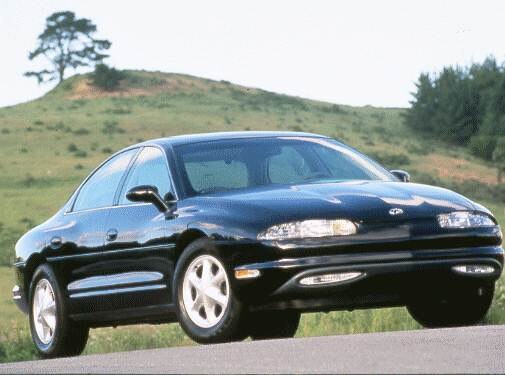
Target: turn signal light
(246, 274)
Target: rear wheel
(466, 306)
(53, 332)
(273, 324)
(207, 307)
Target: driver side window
(150, 168)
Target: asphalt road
(457, 350)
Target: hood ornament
(395, 211)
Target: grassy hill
(49, 145)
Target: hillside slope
(49, 145)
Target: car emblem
(395, 211)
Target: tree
(67, 42)
(499, 157)
(420, 115)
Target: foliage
(464, 106)
(106, 77)
(67, 42)
(499, 157)
(483, 146)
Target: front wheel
(53, 332)
(462, 307)
(207, 307)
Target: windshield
(217, 166)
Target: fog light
(474, 269)
(329, 278)
(246, 274)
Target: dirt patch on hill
(83, 89)
(458, 169)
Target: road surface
(456, 350)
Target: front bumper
(19, 298)
(385, 278)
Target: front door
(137, 239)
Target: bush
(111, 127)
(106, 77)
(483, 146)
(72, 147)
(81, 131)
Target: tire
(467, 306)
(53, 332)
(273, 324)
(208, 321)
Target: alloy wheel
(205, 291)
(44, 311)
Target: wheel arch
(185, 239)
(32, 263)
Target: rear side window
(150, 168)
(99, 190)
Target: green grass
(49, 145)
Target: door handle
(111, 235)
(56, 242)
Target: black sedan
(236, 234)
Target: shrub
(80, 154)
(334, 108)
(81, 131)
(29, 180)
(72, 147)
(106, 77)
(296, 128)
(111, 127)
(483, 146)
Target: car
(234, 235)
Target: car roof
(206, 137)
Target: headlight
(309, 229)
(463, 219)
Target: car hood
(368, 201)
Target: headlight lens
(309, 229)
(463, 219)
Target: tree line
(464, 106)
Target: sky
(349, 52)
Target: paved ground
(461, 350)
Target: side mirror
(148, 194)
(401, 175)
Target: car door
(137, 233)
(78, 237)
